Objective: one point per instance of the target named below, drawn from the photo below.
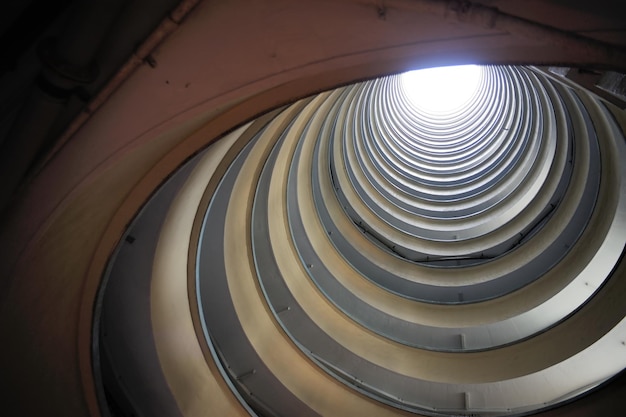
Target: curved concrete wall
(291, 301)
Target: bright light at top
(441, 89)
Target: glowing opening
(442, 89)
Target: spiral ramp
(355, 254)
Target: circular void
(358, 252)
(383, 236)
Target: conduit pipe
(142, 54)
(68, 63)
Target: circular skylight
(441, 89)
